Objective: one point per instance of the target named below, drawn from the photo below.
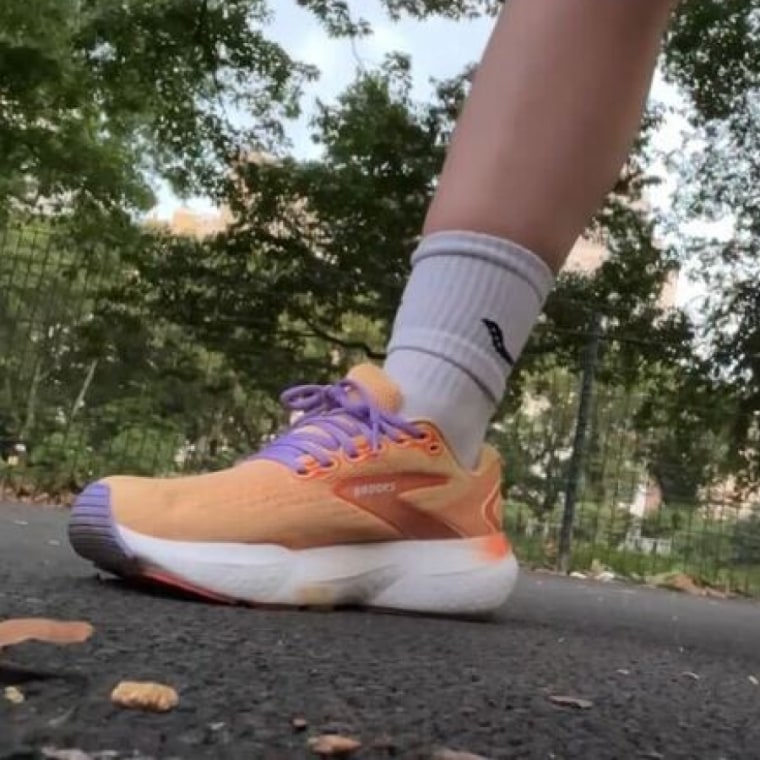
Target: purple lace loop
(333, 417)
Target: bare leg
(554, 108)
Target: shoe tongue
(381, 389)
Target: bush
(143, 450)
(62, 462)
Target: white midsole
(457, 576)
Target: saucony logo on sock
(497, 338)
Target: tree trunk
(30, 416)
(88, 378)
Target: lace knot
(333, 419)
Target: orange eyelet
(329, 467)
(308, 468)
(435, 448)
(374, 453)
(421, 441)
(404, 442)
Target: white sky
(439, 49)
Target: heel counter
(492, 510)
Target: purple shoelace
(335, 416)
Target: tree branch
(347, 344)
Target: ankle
(435, 391)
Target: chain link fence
(89, 387)
(588, 495)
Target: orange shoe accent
(164, 579)
(350, 476)
(263, 502)
(496, 546)
(382, 497)
(493, 510)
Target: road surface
(668, 676)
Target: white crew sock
(467, 311)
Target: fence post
(575, 467)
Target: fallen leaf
(53, 753)
(40, 629)
(623, 671)
(333, 745)
(299, 724)
(145, 695)
(65, 754)
(676, 582)
(689, 674)
(443, 753)
(581, 704)
(753, 680)
(14, 695)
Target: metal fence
(591, 504)
(89, 388)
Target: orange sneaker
(353, 505)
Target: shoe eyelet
(404, 442)
(329, 467)
(382, 447)
(424, 437)
(435, 448)
(353, 457)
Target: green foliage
(126, 348)
(60, 463)
(712, 56)
(665, 522)
(746, 541)
(338, 19)
(96, 93)
(536, 439)
(711, 53)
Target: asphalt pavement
(659, 674)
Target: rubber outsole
(470, 577)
